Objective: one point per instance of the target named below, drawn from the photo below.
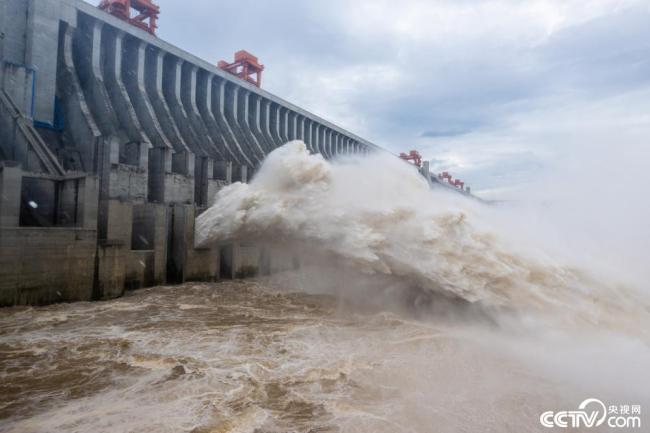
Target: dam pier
(112, 141)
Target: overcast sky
(498, 92)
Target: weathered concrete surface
(186, 263)
(45, 265)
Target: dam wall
(112, 141)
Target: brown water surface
(243, 357)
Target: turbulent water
(377, 217)
(413, 311)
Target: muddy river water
(247, 357)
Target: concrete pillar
(137, 154)
(274, 119)
(160, 165)
(88, 204)
(172, 90)
(293, 126)
(41, 53)
(240, 260)
(425, 170)
(119, 226)
(255, 120)
(326, 142)
(149, 244)
(133, 77)
(183, 163)
(227, 109)
(321, 141)
(204, 102)
(309, 136)
(288, 124)
(87, 56)
(112, 45)
(189, 73)
(280, 121)
(244, 110)
(246, 260)
(219, 113)
(330, 142)
(285, 127)
(11, 178)
(244, 174)
(316, 138)
(187, 263)
(240, 173)
(13, 21)
(183, 159)
(223, 171)
(301, 129)
(81, 127)
(233, 104)
(203, 170)
(265, 120)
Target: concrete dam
(112, 141)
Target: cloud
(481, 85)
(449, 131)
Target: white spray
(380, 217)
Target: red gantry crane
(246, 66)
(145, 17)
(453, 182)
(414, 156)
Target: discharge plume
(378, 216)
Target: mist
(589, 203)
(380, 217)
(509, 278)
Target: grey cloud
(452, 87)
(446, 132)
(605, 55)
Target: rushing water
(246, 357)
(413, 312)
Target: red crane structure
(453, 182)
(414, 156)
(146, 12)
(246, 66)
